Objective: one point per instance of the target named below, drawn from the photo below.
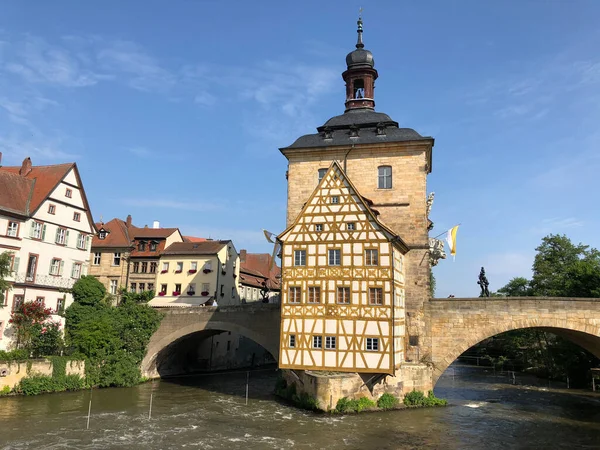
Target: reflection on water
(208, 412)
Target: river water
(209, 412)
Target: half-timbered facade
(343, 284)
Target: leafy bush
(305, 401)
(88, 291)
(345, 405)
(18, 354)
(417, 398)
(40, 384)
(5, 391)
(46, 339)
(387, 401)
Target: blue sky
(175, 111)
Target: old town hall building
(355, 266)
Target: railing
(45, 280)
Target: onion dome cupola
(360, 76)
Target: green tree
(88, 291)
(556, 256)
(583, 277)
(517, 287)
(4, 273)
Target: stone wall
(328, 387)
(11, 373)
(455, 325)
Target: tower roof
(360, 57)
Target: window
(371, 257)
(334, 257)
(136, 267)
(55, 264)
(350, 226)
(292, 341)
(69, 193)
(372, 344)
(299, 257)
(317, 341)
(116, 259)
(206, 287)
(319, 227)
(179, 268)
(194, 265)
(60, 304)
(31, 267)
(97, 258)
(163, 288)
(233, 292)
(178, 288)
(322, 173)
(359, 88)
(37, 230)
(150, 286)
(165, 266)
(295, 293)
(314, 294)
(40, 300)
(142, 287)
(142, 246)
(61, 236)
(330, 342)
(133, 287)
(113, 287)
(51, 209)
(76, 217)
(192, 288)
(153, 267)
(152, 246)
(17, 302)
(384, 177)
(76, 271)
(335, 199)
(102, 235)
(343, 295)
(144, 267)
(375, 296)
(13, 229)
(81, 241)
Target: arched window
(384, 177)
(359, 88)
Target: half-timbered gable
(343, 284)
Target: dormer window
(359, 88)
(380, 129)
(152, 246)
(353, 131)
(142, 246)
(102, 234)
(327, 133)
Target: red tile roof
(140, 233)
(15, 192)
(117, 236)
(195, 248)
(193, 239)
(254, 264)
(44, 180)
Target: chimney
(242, 256)
(0, 159)
(25, 167)
(156, 224)
(128, 222)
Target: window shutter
(57, 234)
(73, 270)
(44, 232)
(88, 241)
(83, 269)
(67, 238)
(31, 229)
(16, 264)
(61, 267)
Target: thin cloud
(140, 152)
(192, 205)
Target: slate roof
(337, 131)
(25, 194)
(195, 248)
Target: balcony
(46, 280)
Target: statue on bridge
(483, 284)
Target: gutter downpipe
(346, 156)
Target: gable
(336, 206)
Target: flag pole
(441, 234)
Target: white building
(46, 226)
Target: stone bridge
(256, 321)
(456, 324)
(452, 326)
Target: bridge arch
(582, 332)
(257, 323)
